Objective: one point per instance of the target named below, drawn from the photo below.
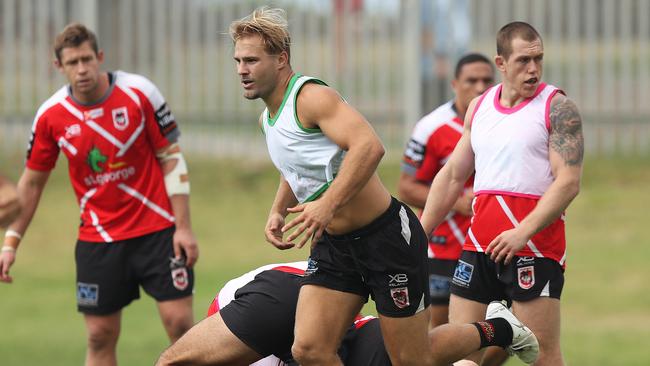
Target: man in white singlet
(523, 138)
(364, 242)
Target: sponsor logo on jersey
(95, 158)
(112, 176)
(72, 131)
(414, 153)
(164, 117)
(120, 118)
(87, 294)
(117, 165)
(463, 273)
(400, 296)
(526, 277)
(94, 113)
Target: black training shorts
(479, 278)
(109, 274)
(440, 273)
(386, 259)
(263, 313)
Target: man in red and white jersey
(523, 139)
(131, 183)
(252, 319)
(432, 141)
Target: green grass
(605, 301)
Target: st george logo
(400, 297)
(95, 157)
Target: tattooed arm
(566, 150)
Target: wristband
(13, 233)
(8, 248)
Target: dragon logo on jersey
(95, 157)
(120, 118)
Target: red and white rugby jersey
(433, 140)
(110, 148)
(513, 171)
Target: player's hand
(185, 243)
(7, 259)
(314, 217)
(506, 245)
(273, 232)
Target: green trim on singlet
(271, 121)
(320, 191)
(295, 107)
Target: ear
(500, 63)
(283, 59)
(100, 56)
(57, 65)
(454, 84)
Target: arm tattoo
(566, 131)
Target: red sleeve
(155, 131)
(430, 161)
(43, 150)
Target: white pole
(412, 69)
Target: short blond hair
(270, 24)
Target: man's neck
(95, 95)
(509, 96)
(274, 100)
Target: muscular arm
(449, 182)
(321, 107)
(30, 187)
(566, 153)
(566, 150)
(324, 108)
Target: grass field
(606, 301)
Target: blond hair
(269, 23)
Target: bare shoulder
(315, 102)
(566, 129)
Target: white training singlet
(307, 159)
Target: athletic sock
(494, 332)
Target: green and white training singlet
(307, 159)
